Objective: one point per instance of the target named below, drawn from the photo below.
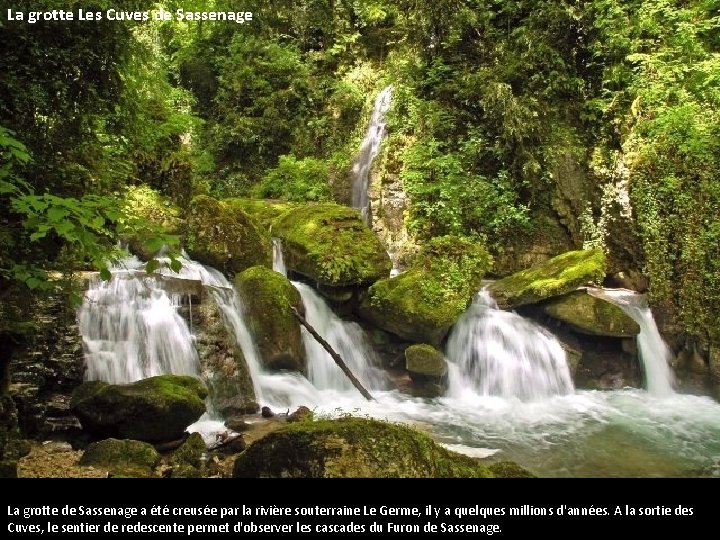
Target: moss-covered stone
(157, 409)
(224, 236)
(425, 360)
(122, 457)
(590, 315)
(509, 469)
(421, 305)
(155, 215)
(330, 244)
(353, 448)
(559, 275)
(190, 452)
(268, 298)
(263, 211)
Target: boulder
(122, 457)
(157, 409)
(428, 369)
(301, 414)
(268, 298)
(330, 244)
(190, 452)
(263, 211)
(421, 304)
(555, 277)
(224, 236)
(591, 315)
(156, 216)
(353, 448)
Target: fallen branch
(335, 356)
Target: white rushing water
(655, 355)
(499, 353)
(369, 148)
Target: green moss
(330, 244)
(263, 211)
(423, 303)
(509, 469)
(155, 409)
(122, 457)
(554, 277)
(268, 298)
(353, 448)
(154, 215)
(189, 452)
(425, 360)
(224, 236)
(590, 315)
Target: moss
(423, 303)
(425, 360)
(590, 315)
(330, 244)
(122, 457)
(353, 447)
(189, 452)
(557, 276)
(509, 469)
(155, 214)
(268, 298)
(224, 236)
(263, 211)
(155, 410)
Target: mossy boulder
(122, 457)
(353, 448)
(224, 236)
(263, 211)
(330, 244)
(156, 217)
(555, 277)
(427, 368)
(268, 298)
(590, 315)
(421, 304)
(157, 409)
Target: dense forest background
(514, 123)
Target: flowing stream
(369, 148)
(510, 391)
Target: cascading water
(654, 354)
(131, 329)
(368, 150)
(499, 353)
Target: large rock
(156, 216)
(421, 305)
(268, 299)
(555, 277)
(122, 457)
(157, 409)
(591, 315)
(353, 448)
(331, 245)
(224, 236)
(263, 211)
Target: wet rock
(301, 414)
(157, 409)
(266, 412)
(122, 457)
(190, 452)
(237, 424)
(428, 370)
(591, 315)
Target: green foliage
(295, 180)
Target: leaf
(151, 266)
(105, 274)
(175, 265)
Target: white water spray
(499, 353)
(654, 353)
(368, 150)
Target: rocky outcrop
(122, 457)
(224, 236)
(591, 315)
(428, 369)
(421, 304)
(268, 298)
(263, 211)
(555, 277)
(354, 448)
(330, 244)
(154, 410)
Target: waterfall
(499, 353)
(655, 355)
(131, 329)
(368, 150)
(278, 261)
